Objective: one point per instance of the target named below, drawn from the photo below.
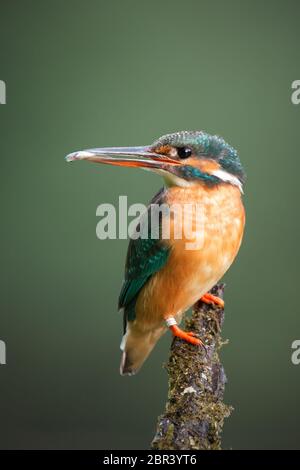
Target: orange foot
(212, 299)
(188, 336)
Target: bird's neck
(223, 193)
(192, 177)
(172, 180)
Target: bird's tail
(136, 346)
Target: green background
(94, 73)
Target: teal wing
(145, 257)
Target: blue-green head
(182, 158)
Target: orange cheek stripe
(206, 166)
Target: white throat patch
(228, 178)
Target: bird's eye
(184, 152)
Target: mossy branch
(195, 412)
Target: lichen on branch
(195, 411)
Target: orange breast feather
(190, 273)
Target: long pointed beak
(142, 157)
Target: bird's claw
(188, 336)
(192, 333)
(213, 300)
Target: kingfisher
(166, 275)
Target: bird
(165, 276)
